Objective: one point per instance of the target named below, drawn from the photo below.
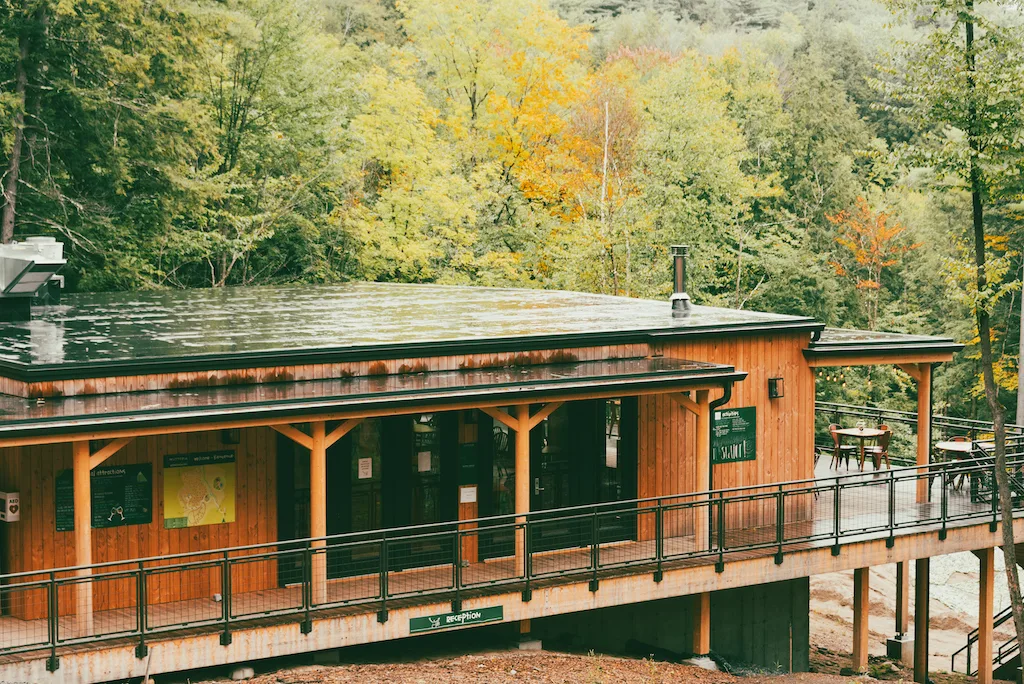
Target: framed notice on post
(121, 495)
(734, 435)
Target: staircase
(1005, 657)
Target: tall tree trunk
(1020, 367)
(985, 339)
(14, 163)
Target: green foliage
(540, 143)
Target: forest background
(528, 143)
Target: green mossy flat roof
(164, 330)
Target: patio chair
(841, 452)
(880, 452)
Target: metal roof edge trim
(23, 372)
(281, 408)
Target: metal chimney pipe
(680, 300)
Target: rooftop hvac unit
(28, 271)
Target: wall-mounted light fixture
(776, 388)
(230, 436)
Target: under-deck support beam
(922, 577)
(986, 596)
(701, 623)
(861, 610)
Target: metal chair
(841, 452)
(880, 452)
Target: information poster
(734, 435)
(121, 495)
(199, 489)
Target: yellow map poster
(199, 489)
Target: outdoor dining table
(962, 451)
(863, 434)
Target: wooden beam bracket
(294, 434)
(911, 369)
(686, 403)
(546, 411)
(342, 430)
(108, 450)
(502, 417)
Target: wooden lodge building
(219, 476)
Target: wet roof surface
(840, 340)
(311, 396)
(167, 324)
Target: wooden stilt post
(921, 599)
(986, 596)
(702, 623)
(522, 481)
(703, 468)
(902, 599)
(83, 537)
(861, 610)
(924, 427)
(318, 510)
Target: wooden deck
(862, 511)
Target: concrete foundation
(765, 625)
(900, 648)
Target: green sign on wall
(121, 495)
(734, 435)
(476, 616)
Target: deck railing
(370, 572)
(903, 451)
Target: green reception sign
(477, 616)
(734, 435)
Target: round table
(961, 451)
(862, 434)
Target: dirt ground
(522, 667)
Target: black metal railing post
(141, 649)
(595, 550)
(53, 623)
(382, 614)
(891, 540)
(225, 587)
(837, 508)
(457, 571)
(527, 558)
(720, 565)
(307, 589)
(995, 502)
(944, 502)
(659, 541)
(780, 523)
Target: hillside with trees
(800, 148)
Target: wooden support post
(318, 509)
(522, 481)
(986, 596)
(83, 537)
(921, 599)
(861, 610)
(701, 623)
(924, 427)
(902, 599)
(702, 482)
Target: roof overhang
(25, 421)
(843, 347)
